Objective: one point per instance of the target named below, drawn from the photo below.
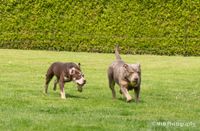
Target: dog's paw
(64, 98)
(45, 92)
(129, 99)
(137, 100)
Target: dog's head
(132, 73)
(78, 77)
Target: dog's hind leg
(111, 82)
(55, 83)
(112, 85)
(49, 76)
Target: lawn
(170, 95)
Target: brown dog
(127, 76)
(65, 72)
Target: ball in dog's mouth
(133, 83)
(80, 86)
(80, 83)
(80, 89)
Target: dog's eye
(131, 72)
(77, 78)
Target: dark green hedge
(163, 27)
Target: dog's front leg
(124, 89)
(125, 93)
(62, 91)
(137, 94)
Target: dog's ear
(128, 68)
(79, 64)
(138, 65)
(72, 71)
(125, 66)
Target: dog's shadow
(74, 96)
(132, 101)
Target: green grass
(170, 93)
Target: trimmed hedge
(162, 27)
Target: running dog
(65, 72)
(127, 76)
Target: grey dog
(127, 76)
(65, 72)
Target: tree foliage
(163, 27)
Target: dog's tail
(117, 52)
